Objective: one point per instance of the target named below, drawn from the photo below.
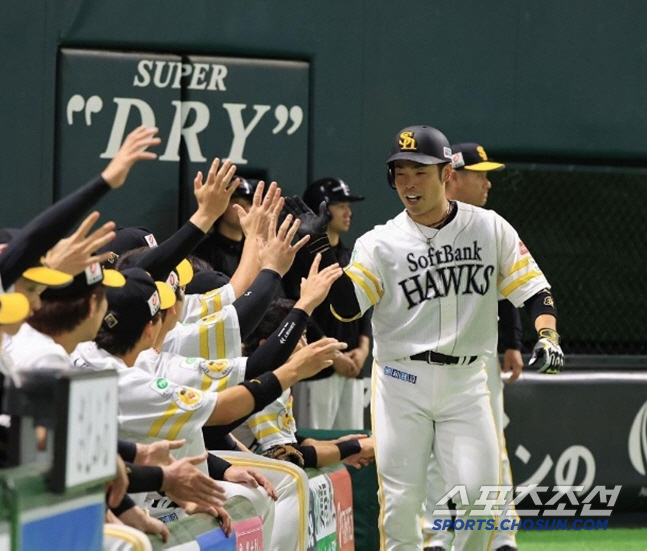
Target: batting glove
(314, 225)
(547, 355)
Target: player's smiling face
(470, 187)
(421, 190)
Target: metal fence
(587, 229)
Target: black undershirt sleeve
(46, 229)
(276, 350)
(127, 450)
(541, 303)
(144, 479)
(217, 467)
(160, 260)
(509, 325)
(253, 303)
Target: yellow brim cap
(184, 272)
(485, 166)
(113, 278)
(47, 276)
(167, 296)
(14, 307)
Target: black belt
(432, 357)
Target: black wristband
(309, 456)
(349, 447)
(143, 478)
(217, 466)
(126, 503)
(265, 389)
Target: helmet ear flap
(390, 176)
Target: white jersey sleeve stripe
(257, 420)
(374, 280)
(179, 423)
(264, 433)
(161, 420)
(519, 282)
(203, 333)
(517, 266)
(365, 287)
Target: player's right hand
(547, 355)
(314, 225)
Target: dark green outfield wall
(549, 80)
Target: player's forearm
(276, 350)
(248, 267)
(46, 229)
(251, 306)
(546, 321)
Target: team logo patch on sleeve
(191, 363)
(400, 375)
(162, 386)
(216, 369)
(188, 399)
(286, 420)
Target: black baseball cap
(134, 304)
(206, 281)
(331, 190)
(90, 278)
(421, 144)
(472, 156)
(127, 239)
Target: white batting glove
(547, 355)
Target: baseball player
(335, 398)
(468, 182)
(223, 246)
(433, 275)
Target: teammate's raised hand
(315, 288)
(74, 254)
(214, 194)
(255, 221)
(278, 252)
(157, 453)
(132, 150)
(244, 475)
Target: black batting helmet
(331, 190)
(422, 144)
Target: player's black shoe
(506, 548)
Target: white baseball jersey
(438, 289)
(150, 407)
(275, 423)
(214, 337)
(206, 375)
(31, 349)
(200, 306)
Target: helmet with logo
(331, 190)
(245, 189)
(420, 144)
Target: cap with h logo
(472, 156)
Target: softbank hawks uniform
(436, 290)
(290, 481)
(153, 408)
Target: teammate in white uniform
(468, 182)
(433, 274)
